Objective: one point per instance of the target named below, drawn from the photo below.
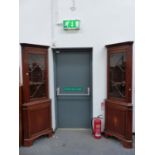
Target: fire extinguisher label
(98, 126)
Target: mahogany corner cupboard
(36, 107)
(118, 105)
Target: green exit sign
(71, 24)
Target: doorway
(73, 87)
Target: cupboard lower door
(36, 120)
(118, 122)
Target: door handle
(73, 94)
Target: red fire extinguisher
(97, 127)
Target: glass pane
(37, 75)
(117, 75)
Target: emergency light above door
(71, 24)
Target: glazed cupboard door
(119, 73)
(36, 109)
(35, 73)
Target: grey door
(73, 87)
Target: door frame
(90, 50)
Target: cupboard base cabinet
(20, 114)
(36, 120)
(118, 121)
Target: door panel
(73, 82)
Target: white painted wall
(102, 22)
(35, 21)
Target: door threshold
(73, 129)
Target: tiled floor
(71, 142)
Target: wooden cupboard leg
(28, 142)
(49, 135)
(127, 144)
